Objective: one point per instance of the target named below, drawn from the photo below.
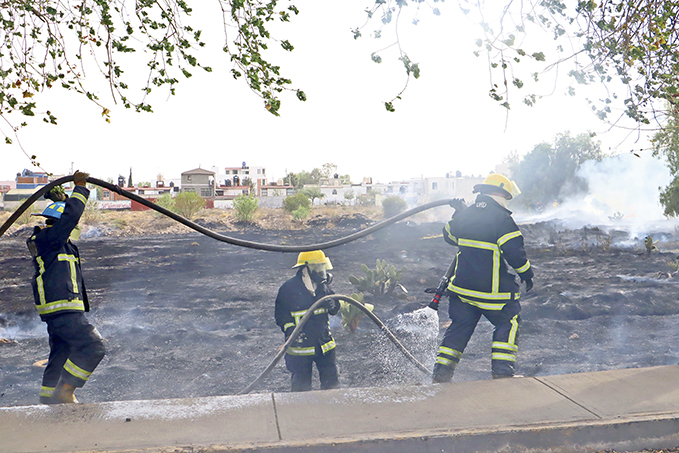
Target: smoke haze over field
(623, 184)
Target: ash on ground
(187, 316)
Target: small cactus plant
(382, 280)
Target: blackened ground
(187, 316)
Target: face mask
(75, 234)
(318, 276)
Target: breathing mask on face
(318, 273)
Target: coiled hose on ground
(259, 246)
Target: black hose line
(298, 330)
(259, 246)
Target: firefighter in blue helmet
(76, 348)
(315, 344)
(488, 242)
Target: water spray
(298, 330)
(271, 247)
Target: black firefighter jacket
(292, 302)
(487, 239)
(58, 285)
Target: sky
(445, 121)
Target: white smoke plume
(623, 194)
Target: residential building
(199, 181)
(277, 189)
(238, 176)
(337, 191)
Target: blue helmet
(54, 210)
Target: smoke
(623, 194)
(19, 327)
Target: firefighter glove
(80, 178)
(56, 194)
(458, 204)
(529, 284)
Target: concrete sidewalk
(627, 409)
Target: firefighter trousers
(76, 348)
(301, 367)
(464, 318)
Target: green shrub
(299, 214)
(165, 201)
(188, 204)
(382, 280)
(27, 216)
(245, 206)
(393, 205)
(296, 201)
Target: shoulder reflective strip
(477, 244)
(74, 275)
(514, 330)
(46, 391)
(508, 236)
(481, 294)
(449, 351)
(288, 325)
(328, 346)
(59, 305)
(500, 356)
(76, 371)
(523, 268)
(79, 196)
(38, 280)
(503, 345)
(444, 361)
(302, 351)
(495, 306)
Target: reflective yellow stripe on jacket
(72, 260)
(52, 307)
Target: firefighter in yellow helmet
(315, 344)
(488, 243)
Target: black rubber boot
(442, 373)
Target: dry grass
(143, 223)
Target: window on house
(334, 191)
(204, 192)
(188, 178)
(434, 186)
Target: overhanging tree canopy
(55, 44)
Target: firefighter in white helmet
(489, 242)
(315, 344)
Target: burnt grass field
(186, 316)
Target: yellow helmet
(496, 181)
(313, 257)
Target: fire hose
(298, 330)
(220, 237)
(260, 246)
